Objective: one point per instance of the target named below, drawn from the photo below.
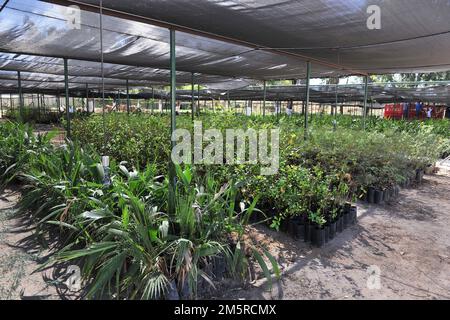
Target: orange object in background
(395, 111)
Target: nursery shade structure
(414, 34)
(258, 40)
(438, 92)
(40, 28)
(49, 79)
(75, 90)
(41, 65)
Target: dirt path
(408, 242)
(20, 256)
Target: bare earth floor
(20, 256)
(407, 241)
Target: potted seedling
(419, 175)
(346, 217)
(340, 219)
(378, 195)
(301, 227)
(318, 234)
(353, 214)
(309, 230)
(333, 223)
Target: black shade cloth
(414, 34)
(40, 28)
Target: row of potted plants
(378, 195)
(320, 233)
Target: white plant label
(74, 280)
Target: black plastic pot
(387, 195)
(407, 182)
(353, 214)
(308, 232)
(347, 207)
(397, 191)
(419, 175)
(333, 230)
(371, 195)
(318, 237)
(301, 230)
(219, 266)
(346, 219)
(327, 233)
(378, 197)
(392, 193)
(291, 229)
(284, 225)
(340, 224)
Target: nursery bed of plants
(113, 220)
(316, 176)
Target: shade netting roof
(382, 93)
(40, 65)
(414, 34)
(40, 28)
(226, 44)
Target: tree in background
(412, 77)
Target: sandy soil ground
(407, 242)
(20, 256)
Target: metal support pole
(173, 83)
(66, 85)
(87, 98)
(366, 92)
(119, 100)
(337, 98)
(1, 106)
(102, 68)
(264, 98)
(39, 107)
(198, 100)
(308, 78)
(228, 101)
(153, 100)
(19, 80)
(42, 102)
(128, 98)
(192, 96)
(58, 103)
(279, 108)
